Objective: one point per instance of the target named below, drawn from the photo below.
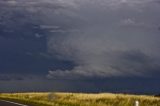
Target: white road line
(13, 103)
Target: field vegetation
(80, 99)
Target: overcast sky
(62, 45)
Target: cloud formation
(104, 38)
(104, 46)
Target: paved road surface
(8, 103)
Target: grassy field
(80, 99)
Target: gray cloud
(103, 38)
(123, 63)
(119, 41)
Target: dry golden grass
(80, 99)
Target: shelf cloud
(112, 40)
(103, 38)
(62, 45)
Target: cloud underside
(114, 40)
(104, 38)
(104, 64)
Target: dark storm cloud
(23, 36)
(136, 63)
(14, 77)
(118, 85)
(128, 63)
(23, 19)
(117, 38)
(102, 45)
(94, 35)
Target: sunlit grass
(80, 99)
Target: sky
(80, 46)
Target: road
(8, 103)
